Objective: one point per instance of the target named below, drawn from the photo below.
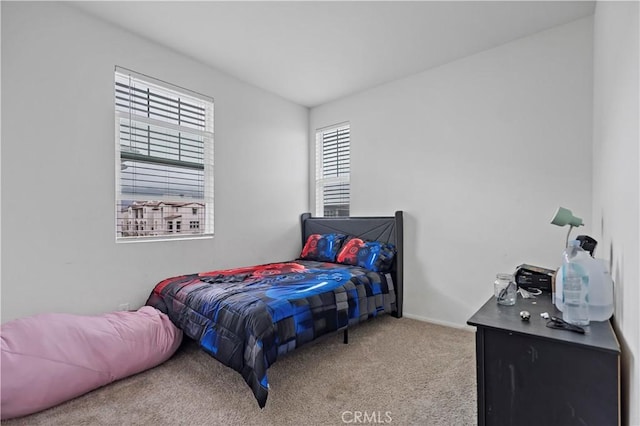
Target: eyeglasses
(560, 324)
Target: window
(164, 156)
(333, 153)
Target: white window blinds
(164, 156)
(333, 159)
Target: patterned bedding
(247, 317)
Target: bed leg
(346, 336)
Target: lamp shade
(565, 217)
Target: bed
(350, 270)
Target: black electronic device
(531, 277)
(587, 243)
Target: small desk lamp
(564, 217)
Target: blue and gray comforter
(247, 317)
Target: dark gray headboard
(386, 229)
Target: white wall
(616, 181)
(479, 153)
(59, 251)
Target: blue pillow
(322, 247)
(373, 255)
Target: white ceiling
(312, 52)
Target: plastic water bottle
(575, 286)
(600, 287)
(600, 292)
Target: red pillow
(322, 247)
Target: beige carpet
(393, 371)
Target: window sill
(130, 240)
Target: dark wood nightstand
(529, 374)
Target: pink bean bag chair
(51, 358)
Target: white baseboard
(439, 322)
